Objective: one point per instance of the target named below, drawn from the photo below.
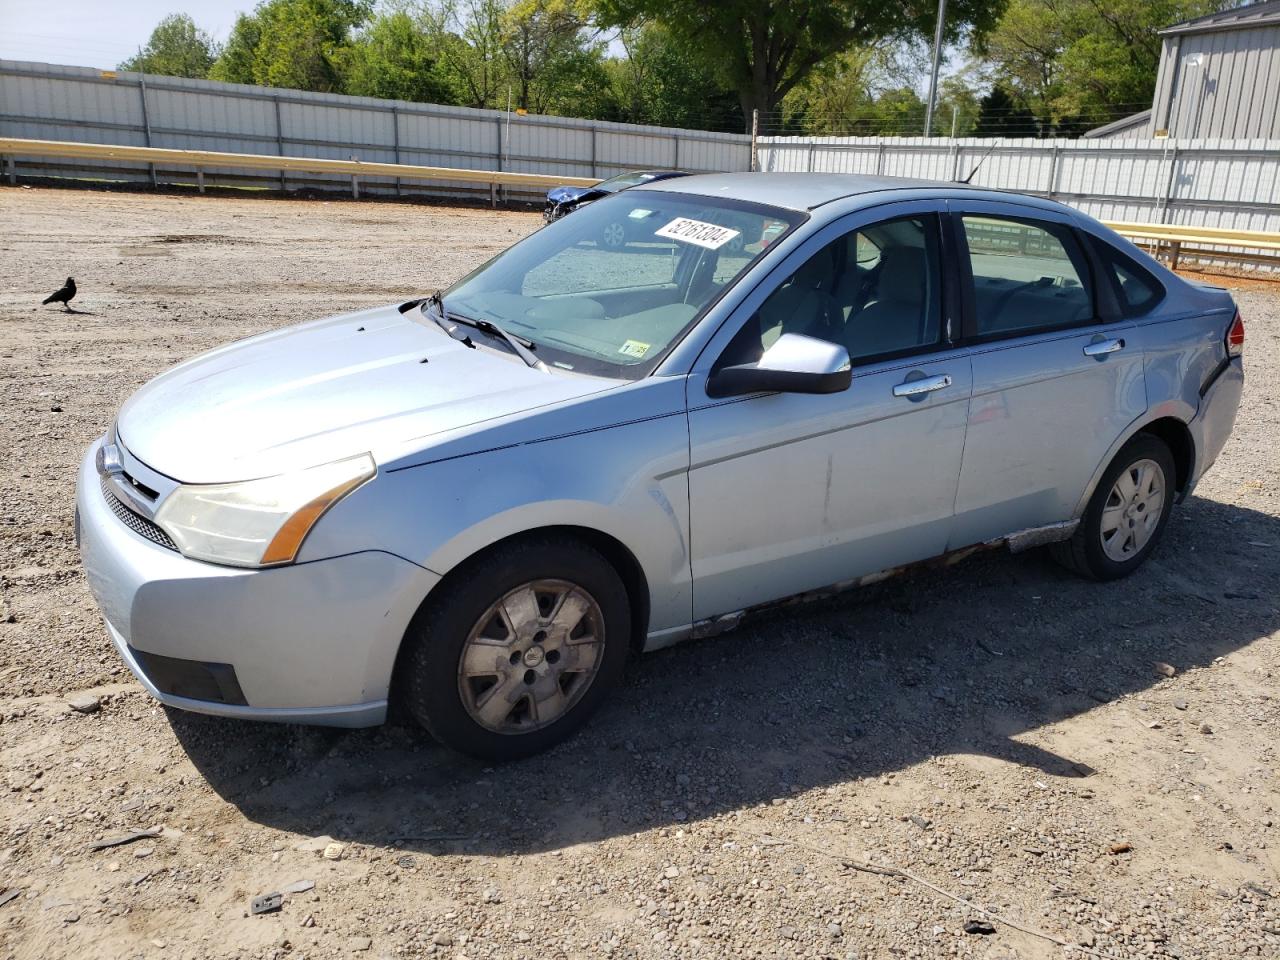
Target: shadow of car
(962, 661)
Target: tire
(497, 693)
(1117, 532)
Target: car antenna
(981, 160)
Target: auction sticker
(709, 235)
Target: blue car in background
(565, 200)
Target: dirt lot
(998, 730)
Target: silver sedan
(480, 502)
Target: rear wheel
(520, 649)
(1126, 515)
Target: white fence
(48, 102)
(1215, 183)
(1203, 183)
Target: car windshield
(609, 289)
(622, 181)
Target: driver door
(794, 492)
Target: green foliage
(553, 63)
(662, 82)
(292, 43)
(862, 92)
(467, 35)
(1081, 63)
(957, 108)
(177, 48)
(395, 59)
(1000, 115)
(764, 49)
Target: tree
(663, 82)
(841, 97)
(468, 35)
(764, 48)
(291, 43)
(395, 59)
(1025, 47)
(235, 63)
(956, 100)
(539, 38)
(1000, 115)
(177, 48)
(1081, 63)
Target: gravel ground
(998, 730)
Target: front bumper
(308, 643)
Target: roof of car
(794, 191)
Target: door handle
(1101, 347)
(914, 388)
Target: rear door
(1057, 374)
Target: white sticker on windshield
(709, 235)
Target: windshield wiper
(448, 322)
(520, 345)
(438, 317)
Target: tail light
(1235, 336)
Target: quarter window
(1026, 276)
(1137, 290)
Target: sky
(99, 33)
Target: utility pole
(507, 146)
(937, 59)
(755, 136)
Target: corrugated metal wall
(1215, 183)
(1221, 83)
(47, 102)
(1227, 183)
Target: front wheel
(523, 645)
(1126, 515)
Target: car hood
(377, 381)
(561, 194)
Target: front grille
(135, 522)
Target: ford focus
(477, 504)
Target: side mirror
(794, 364)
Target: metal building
(1220, 76)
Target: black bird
(62, 296)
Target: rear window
(1136, 289)
(1027, 276)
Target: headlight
(258, 523)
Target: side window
(1137, 290)
(1026, 276)
(877, 291)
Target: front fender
(629, 482)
